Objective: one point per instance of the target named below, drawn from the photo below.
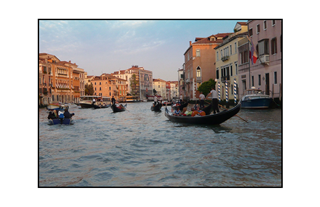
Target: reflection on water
(140, 147)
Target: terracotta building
(108, 85)
(58, 80)
(200, 61)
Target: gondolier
(214, 96)
(113, 101)
(201, 98)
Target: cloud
(137, 47)
(120, 24)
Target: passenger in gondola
(67, 114)
(113, 100)
(177, 112)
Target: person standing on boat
(155, 100)
(201, 98)
(214, 96)
(113, 100)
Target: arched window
(198, 72)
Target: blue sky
(105, 46)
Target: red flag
(252, 54)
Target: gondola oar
(235, 115)
(227, 109)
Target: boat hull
(156, 108)
(213, 119)
(101, 106)
(116, 109)
(60, 121)
(258, 103)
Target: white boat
(255, 99)
(87, 101)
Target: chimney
(190, 43)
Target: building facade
(227, 62)
(108, 85)
(140, 82)
(174, 90)
(181, 82)
(265, 38)
(199, 63)
(58, 80)
(161, 87)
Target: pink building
(266, 72)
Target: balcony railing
(224, 58)
(224, 78)
(199, 79)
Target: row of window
(227, 71)
(265, 26)
(275, 79)
(226, 50)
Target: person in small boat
(177, 112)
(214, 96)
(67, 114)
(155, 101)
(113, 101)
(52, 114)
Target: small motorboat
(255, 99)
(119, 108)
(65, 121)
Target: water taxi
(255, 99)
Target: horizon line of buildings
(62, 81)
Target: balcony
(199, 79)
(224, 58)
(187, 80)
(224, 78)
(264, 59)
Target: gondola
(101, 106)
(116, 109)
(213, 119)
(65, 121)
(157, 107)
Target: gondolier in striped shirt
(201, 98)
(214, 96)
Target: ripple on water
(141, 148)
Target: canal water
(141, 148)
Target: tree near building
(89, 89)
(133, 84)
(205, 87)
